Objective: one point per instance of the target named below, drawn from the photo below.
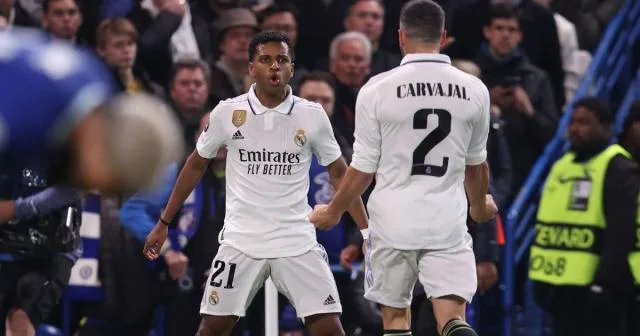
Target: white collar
(415, 58)
(257, 108)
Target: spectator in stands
(349, 62)
(209, 12)
(283, 18)
(62, 19)
(319, 87)
(590, 17)
(520, 92)
(539, 37)
(168, 32)
(235, 30)
(117, 45)
(313, 43)
(498, 154)
(585, 230)
(189, 89)
(367, 17)
(12, 14)
(574, 61)
(129, 285)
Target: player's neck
(421, 48)
(270, 101)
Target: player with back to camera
(58, 100)
(270, 135)
(421, 128)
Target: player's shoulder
(304, 105)
(238, 103)
(377, 81)
(472, 82)
(235, 101)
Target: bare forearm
(476, 183)
(352, 185)
(191, 173)
(356, 209)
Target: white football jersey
(417, 127)
(267, 171)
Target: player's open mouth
(274, 80)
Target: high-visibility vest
(571, 221)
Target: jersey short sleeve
(477, 151)
(366, 148)
(325, 145)
(213, 136)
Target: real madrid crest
(213, 298)
(239, 117)
(300, 139)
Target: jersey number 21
(419, 166)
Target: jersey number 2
(419, 166)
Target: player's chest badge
(239, 117)
(300, 138)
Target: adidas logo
(329, 301)
(237, 135)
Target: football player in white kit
(270, 135)
(421, 128)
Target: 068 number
(419, 166)
(219, 267)
(550, 266)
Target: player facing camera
(270, 136)
(271, 65)
(121, 146)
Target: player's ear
(443, 39)
(401, 39)
(252, 70)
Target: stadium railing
(609, 75)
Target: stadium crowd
(531, 54)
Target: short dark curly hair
(267, 37)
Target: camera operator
(39, 243)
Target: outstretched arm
(350, 188)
